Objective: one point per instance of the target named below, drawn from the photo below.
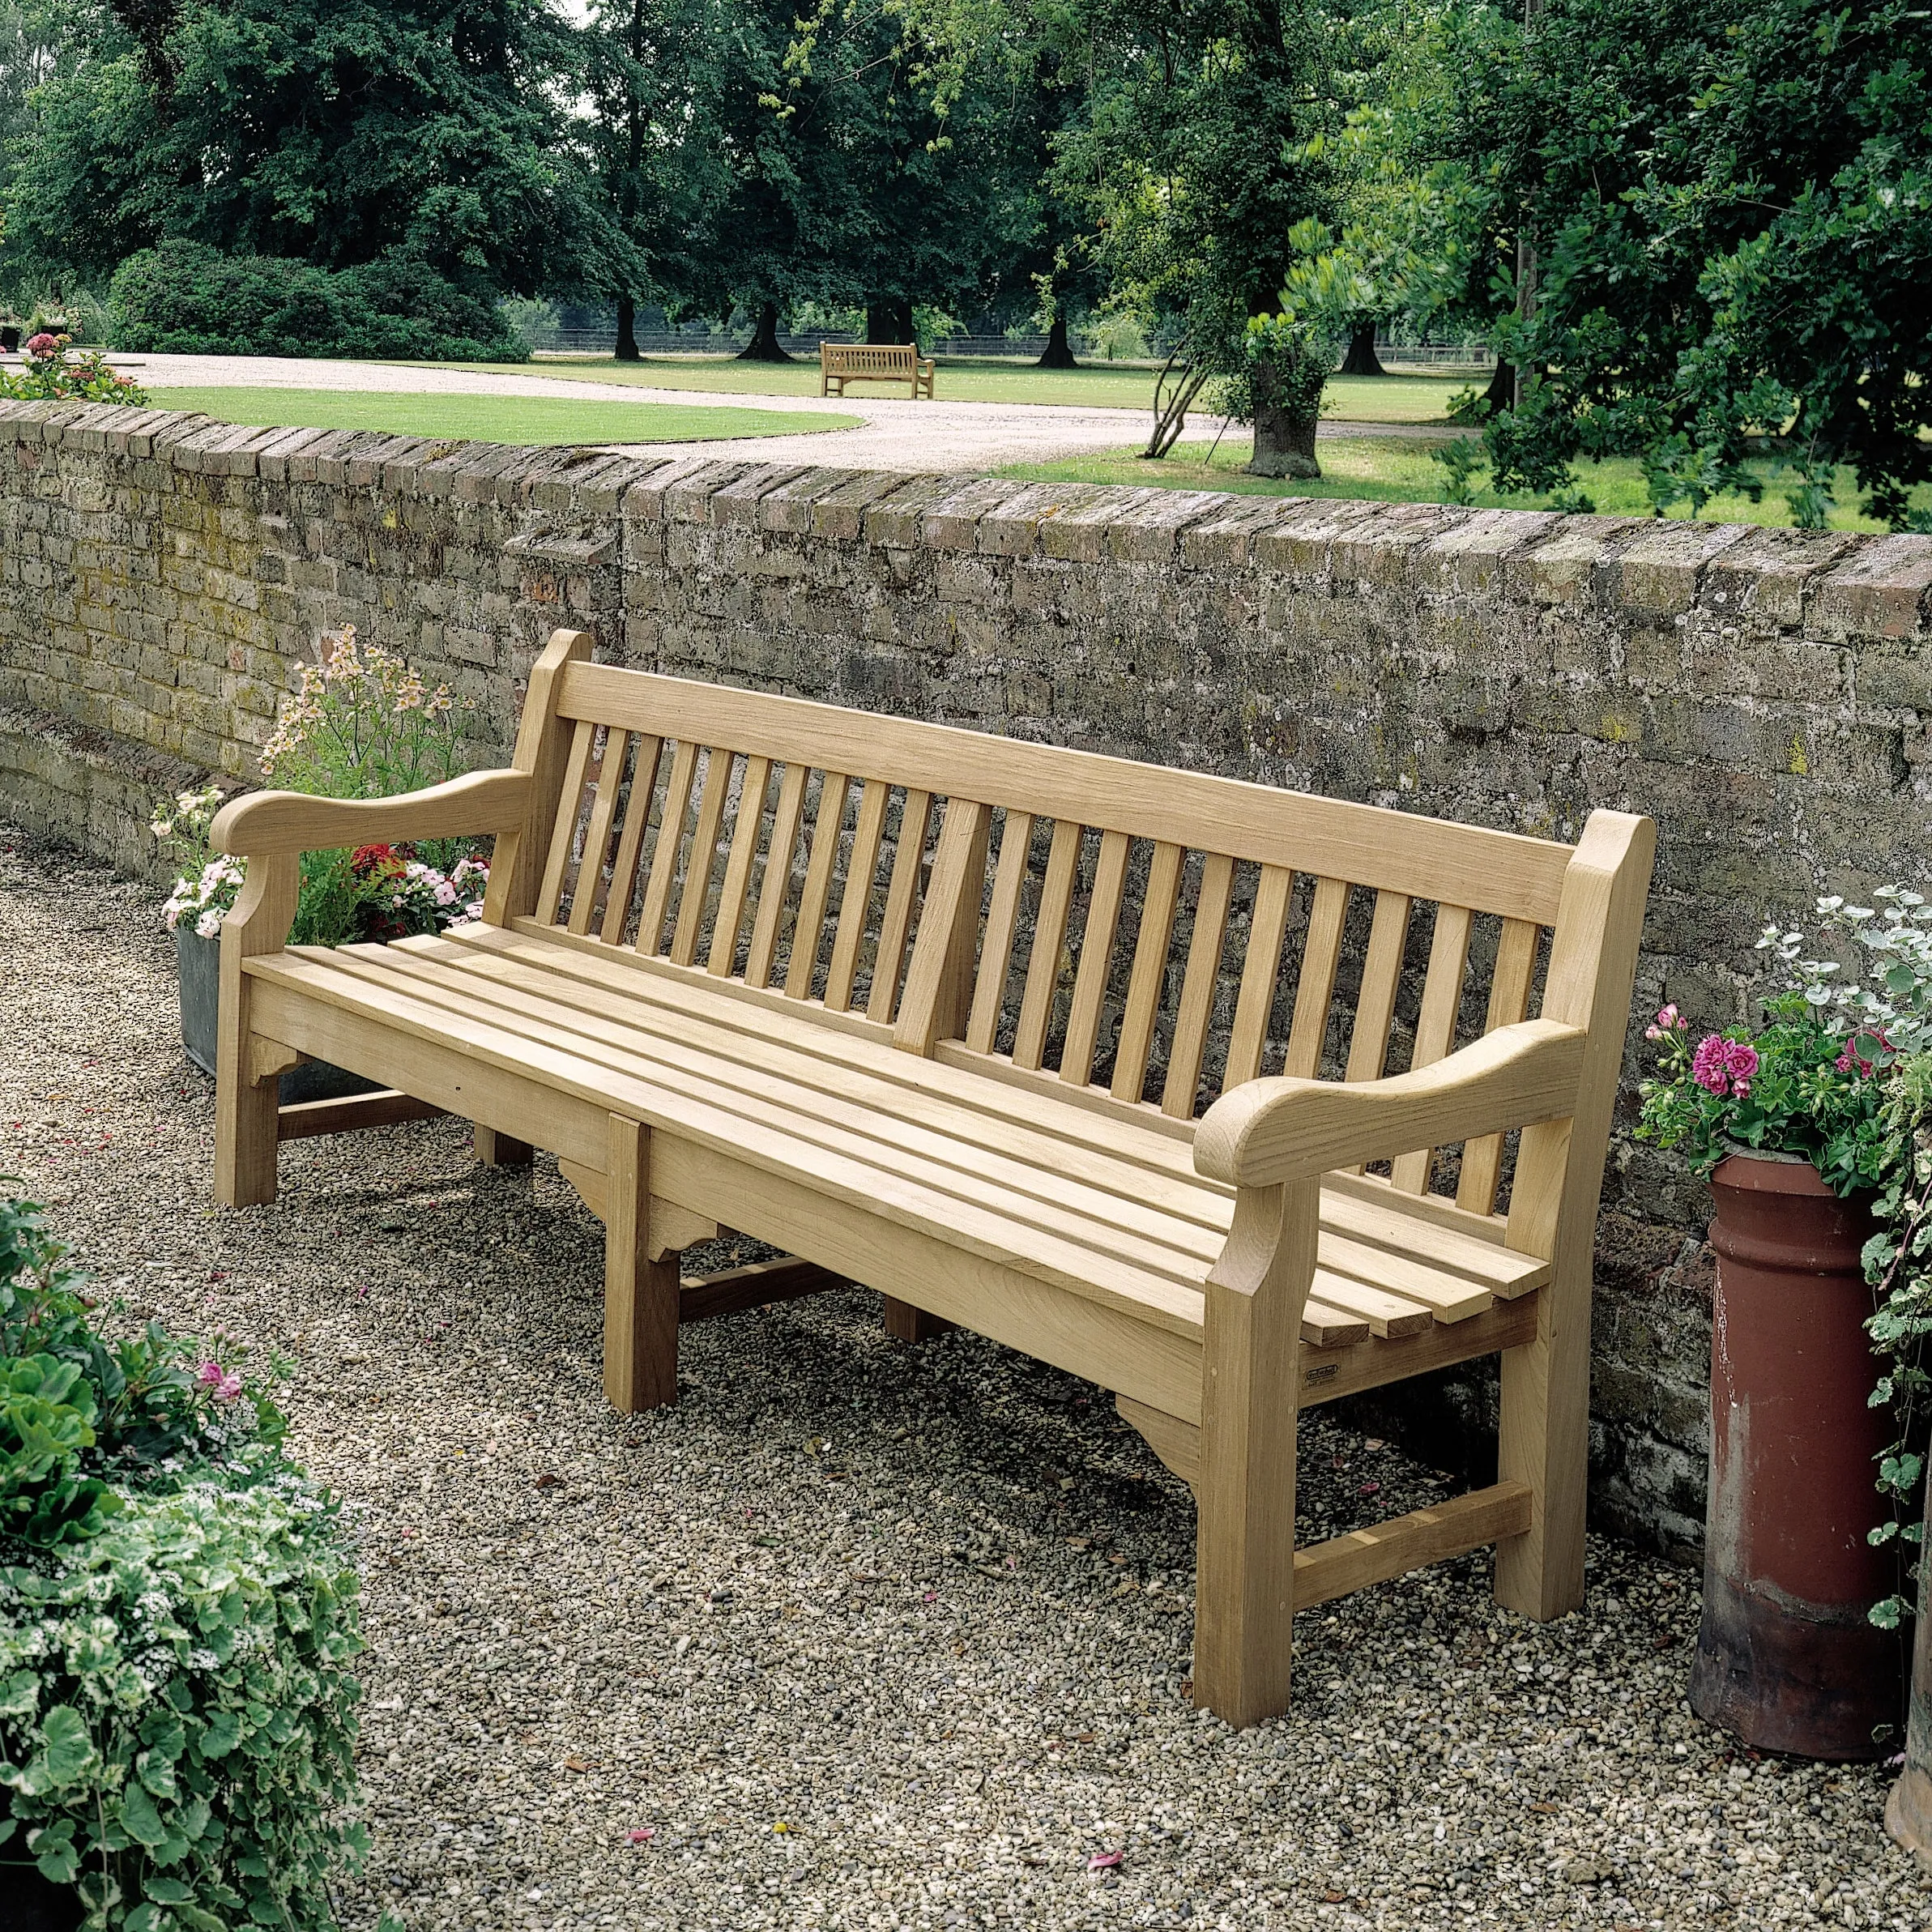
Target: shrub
(178, 1615)
(181, 298)
(47, 373)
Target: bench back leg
(1244, 1584)
(245, 1137)
(1544, 1435)
(641, 1295)
(494, 1149)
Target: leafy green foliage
(184, 298)
(1725, 215)
(177, 1621)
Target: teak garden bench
(936, 1011)
(843, 362)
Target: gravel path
(861, 1636)
(899, 433)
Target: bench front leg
(640, 1295)
(246, 1096)
(1244, 1586)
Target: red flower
(380, 860)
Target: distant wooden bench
(843, 362)
(965, 1070)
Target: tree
(334, 131)
(1733, 240)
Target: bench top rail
(1138, 938)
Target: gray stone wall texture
(1765, 694)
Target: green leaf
(19, 1695)
(140, 1819)
(67, 1751)
(167, 1891)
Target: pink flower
(1724, 1067)
(228, 1387)
(1669, 1019)
(42, 344)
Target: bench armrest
(267, 825)
(1268, 1132)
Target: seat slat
(719, 765)
(1387, 1315)
(1149, 977)
(1002, 922)
(1049, 936)
(1314, 990)
(1259, 973)
(1449, 1297)
(777, 883)
(809, 933)
(902, 891)
(597, 835)
(861, 876)
(1096, 959)
(569, 807)
(664, 854)
(630, 840)
(1199, 984)
(1435, 1025)
(1509, 1003)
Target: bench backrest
(1139, 936)
(868, 358)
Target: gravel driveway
(899, 433)
(857, 1635)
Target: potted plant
(360, 724)
(1795, 1125)
(178, 1626)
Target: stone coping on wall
(1831, 585)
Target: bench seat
(1103, 1209)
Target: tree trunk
(1501, 395)
(1361, 359)
(1059, 353)
(627, 330)
(764, 344)
(1284, 443)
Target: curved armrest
(1268, 1132)
(266, 825)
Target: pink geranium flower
(1723, 1067)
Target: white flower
(209, 924)
(445, 894)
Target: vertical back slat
(1002, 921)
(1381, 976)
(1509, 1002)
(738, 867)
(664, 856)
(861, 874)
(1259, 973)
(939, 979)
(810, 929)
(1198, 984)
(569, 805)
(630, 840)
(1049, 935)
(915, 824)
(1096, 957)
(1149, 977)
(778, 875)
(1435, 1025)
(1314, 990)
(597, 836)
(704, 856)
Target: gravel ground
(858, 1636)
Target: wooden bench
(937, 1012)
(843, 362)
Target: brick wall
(1765, 694)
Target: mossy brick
(893, 517)
(1224, 539)
(953, 523)
(1148, 531)
(1079, 533)
(1879, 590)
(734, 504)
(1300, 544)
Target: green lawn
(529, 420)
(1403, 472)
(987, 379)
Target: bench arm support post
(1268, 1132)
(1244, 1595)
